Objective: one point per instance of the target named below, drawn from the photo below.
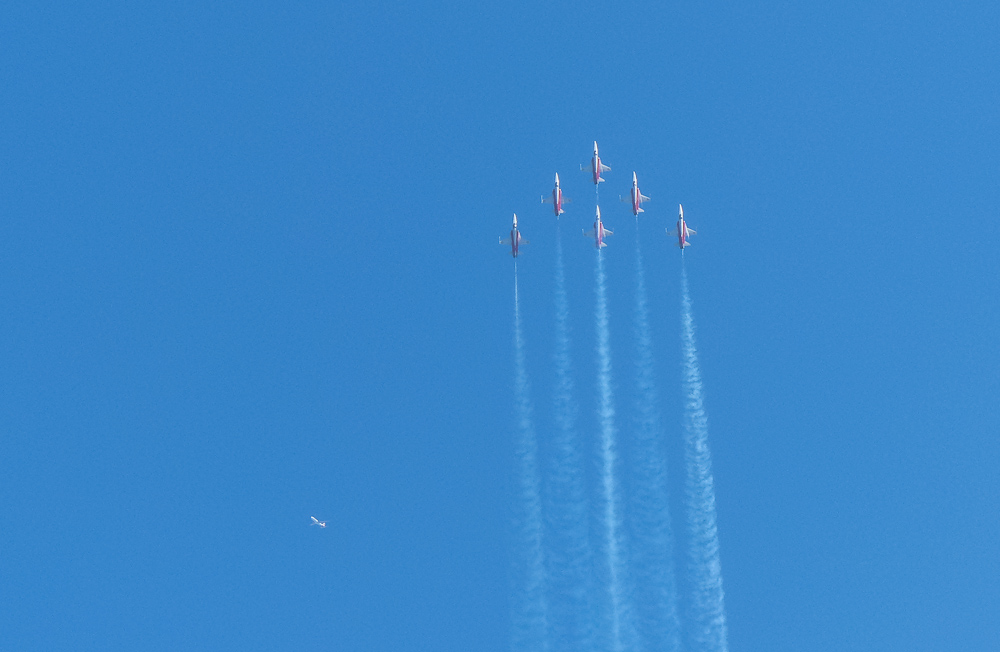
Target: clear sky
(249, 273)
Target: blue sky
(250, 274)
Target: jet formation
(598, 233)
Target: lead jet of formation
(683, 232)
(596, 167)
(317, 522)
(515, 239)
(557, 200)
(637, 197)
(598, 231)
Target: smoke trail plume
(652, 546)
(620, 632)
(530, 631)
(706, 612)
(568, 537)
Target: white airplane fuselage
(636, 197)
(599, 230)
(683, 232)
(595, 165)
(515, 238)
(557, 198)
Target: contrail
(706, 612)
(530, 631)
(568, 537)
(620, 630)
(652, 534)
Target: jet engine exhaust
(530, 607)
(619, 612)
(652, 546)
(568, 536)
(706, 612)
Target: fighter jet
(637, 197)
(557, 200)
(596, 167)
(683, 232)
(315, 522)
(515, 239)
(598, 231)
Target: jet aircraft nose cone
(634, 180)
(557, 178)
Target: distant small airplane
(683, 232)
(557, 200)
(637, 197)
(315, 522)
(515, 239)
(598, 231)
(596, 167)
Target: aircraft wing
(605, 168)
(589, 234)
(643, 198)
(546, 200)
(692, 231)
(505, 241)
(608, 231)
(672, 234)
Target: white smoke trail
(568, 537)
(620, 633)
(706, 612)
(530, 630)
(652, 549)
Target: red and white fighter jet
(557, 200)
(596, 167)
(683, 232)
(637, 197)
(598, 231)
(515, 239)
